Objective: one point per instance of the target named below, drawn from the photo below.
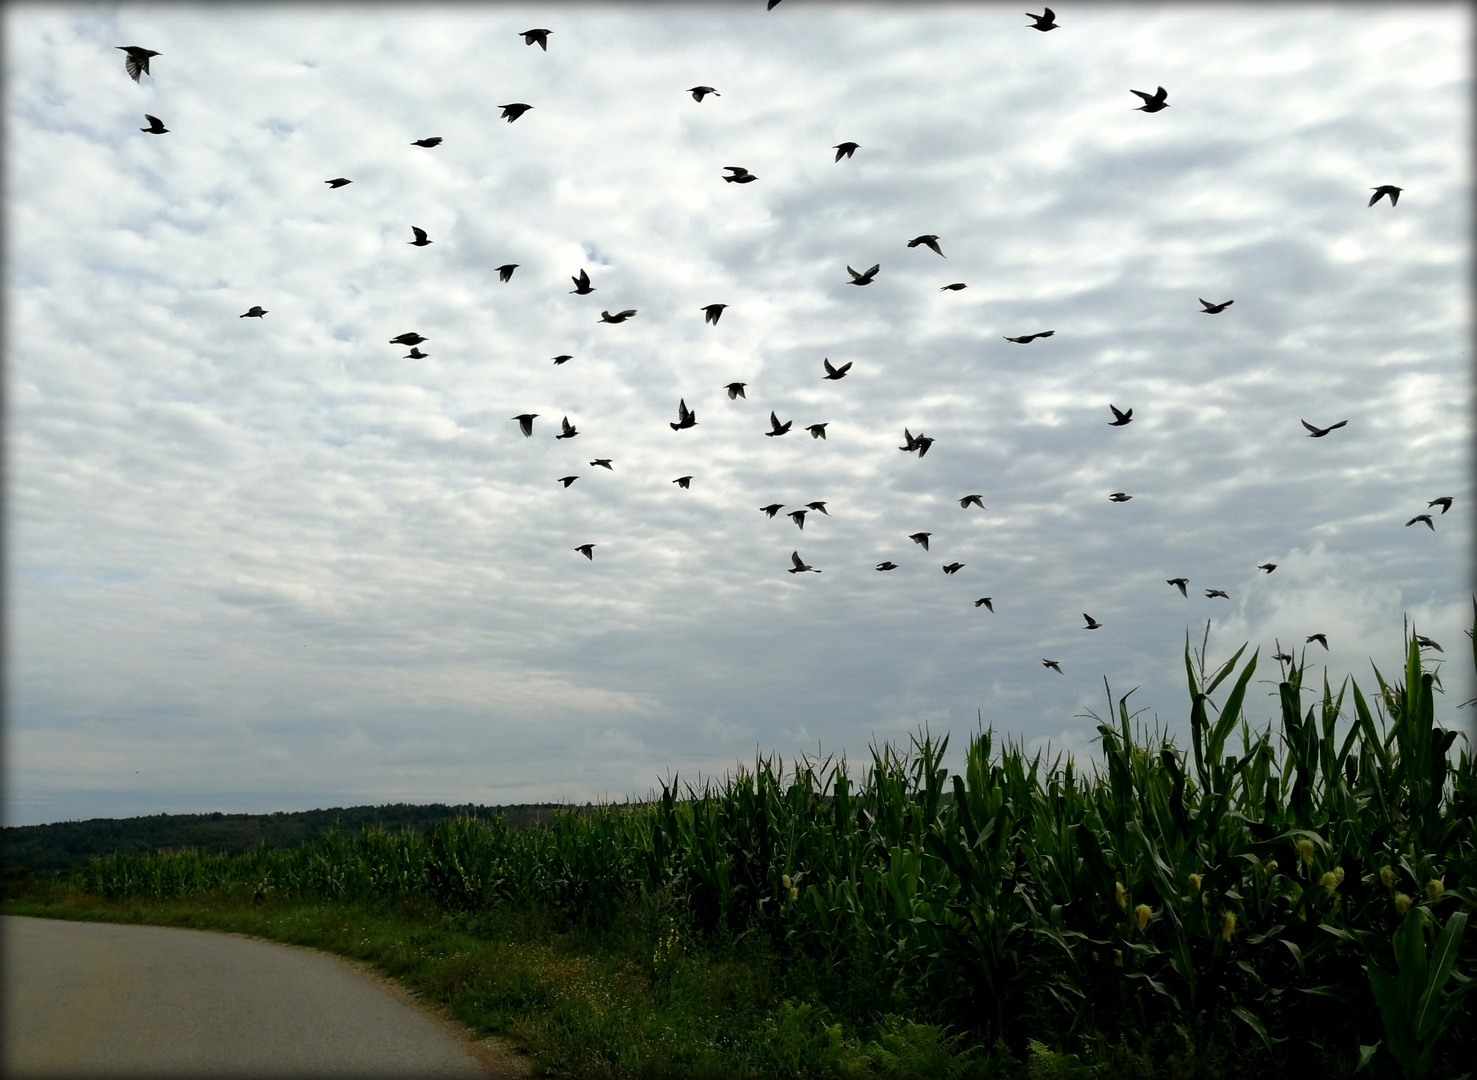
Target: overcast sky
(273, 564)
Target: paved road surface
(99, 999)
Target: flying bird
(582, 286)
(156, 126)
(776, 428)
(1444, 502)
(684, 482)
(712, 312)
(1211, 594)
(845, 149)
(740, 175)
(771, 509)
(929, 240)
(800, 565)
(587, 550)
(618, 317)
(525, 421)
(513, 111)
(1119, 497)
(887, 566)
(562, 358)
(338, 182)
(604, 463)
(986, 601)
(1121, 416)
(256, 312)
(1427, 643)
(977, 500)
(1179, 583)
(911, 442)
(699, 92)
(686, 418)
(408, 338)
(569, 431)
(835, 372)
(1045, 21)
(1092, 624)
(1380, 192)
(1268, 566)
(817, 431)
(1318, 433)
(1053, 665)
(567, 480)
(819, 505)
(1284, 657)
(1026, 339)
(798, 517)
(1318, 638)
(863, 279)
(1214, 309)
(1152, 102)
(416, 354)
(920, 538)
(505, 271)
(953, 568)
(435, 140)
(924, 442)
(537, 37)
(736, 391)
(954, 287)
(420, 237)
(136, 60)
(1421, 517)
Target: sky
(261, 564)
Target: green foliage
(1414, 1004)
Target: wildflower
(1141, 916)
(1435, 887)
(785, 880)
(1195, 882)
(1120, 895)
(1402, 903)
(1387, 877)
(1305, 849)
(1228, 926)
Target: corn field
(1313, 875)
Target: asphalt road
(99, 999)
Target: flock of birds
(137, 63)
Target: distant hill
(48, 850)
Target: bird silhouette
(416, 354)
(817, 431)
(1053, 665)
(338, 182)
(955, 287)
(582, 286)
(684, 482)
(569, 430)
(156, 126)
(887, 566)
(968, 500)
(928, 240)
(1427, 643)
(136, 60)
(835, 372)
(800, 565)
(863, 279)
(1179, 583)
(798, 517)
(1026, 339)
(776, 428)
(567, 480)
(256, 312)
(712, 312)
(771, 509)
(537, 37)
(1152, 102)
(1268, 566)
(587, 550)
(1211, 594)
(740, 175)
(434, 140)
(420, 237)
(525, 422)
(513, 111)
(1121, 417)
(986, 602)
(686, 418)
(604, 463)
(920, 538)
(1119, 497)
(953, 568)
(736, 391)
(700, 92)
(1045, 21)
(1318, 638)
(918, 444)
(1421, 517)
(1092, 624)
(618, 317)
(924, 442)
(818, 505)
(1286, 658)
(1444, 502)
(1318, 433)
(505, 271)
(408, 338)
(1380, 192)
(845, 150)
(562, 358)
(1214, 309)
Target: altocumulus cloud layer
(272, 564)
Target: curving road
(99, 999)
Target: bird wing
(420, 234)
(627, 313)
(1048, 14)
(799, 562)
(844, 368)
(1147, 97)
(1161, 94)
(1311, 428)
(875, 268)
(829, 369)
(1335, 427)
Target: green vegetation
(1291, 907)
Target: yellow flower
(794, 893)
(1228, 926)
(1435, 887)
(1305, 849)
(1402, 903)
(1120, 895)
(785, 880)
(1141, 916)
(1387, 877)
(1195, 882)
